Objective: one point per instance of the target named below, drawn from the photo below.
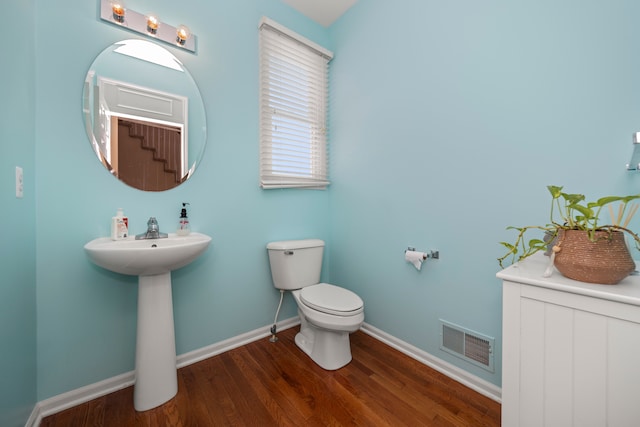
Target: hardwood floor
(267, 384)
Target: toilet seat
(331, 299)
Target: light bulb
(182, 34)
(118, 11)
(152, 24)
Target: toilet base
(331, 350)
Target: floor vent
(468, 345)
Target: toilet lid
(331, 299)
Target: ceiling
(324, 12)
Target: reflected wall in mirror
(144, 115)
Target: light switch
(19, 183)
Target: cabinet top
(530, 272)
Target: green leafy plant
(571, 212)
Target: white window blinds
(293, 108)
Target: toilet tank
(295, 263)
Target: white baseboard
(475, 383)
(78, 396)
(194, 356)
(84, 394)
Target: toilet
(328, 313)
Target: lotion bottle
(119, 226)
(184, 228)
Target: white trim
(35, 418)
(295, 36)
(203, 353)
(67, 400)
(475, 383)
(84, 394)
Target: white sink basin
(152, 261)
(147, 257)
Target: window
(293, 104)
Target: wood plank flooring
(266, 384)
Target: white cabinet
(571, 350)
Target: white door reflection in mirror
(144, 115)
(142, 134)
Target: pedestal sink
(152, 261)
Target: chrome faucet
(153, 231)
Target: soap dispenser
(183, 222)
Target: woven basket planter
(605, 261)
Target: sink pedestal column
(156, 374)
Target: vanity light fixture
(115, 12)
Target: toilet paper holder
(427, 255)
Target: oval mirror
(144, 115)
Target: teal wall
(86, 315)
(17, 243)
(448, 120)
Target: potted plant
(580, 247)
